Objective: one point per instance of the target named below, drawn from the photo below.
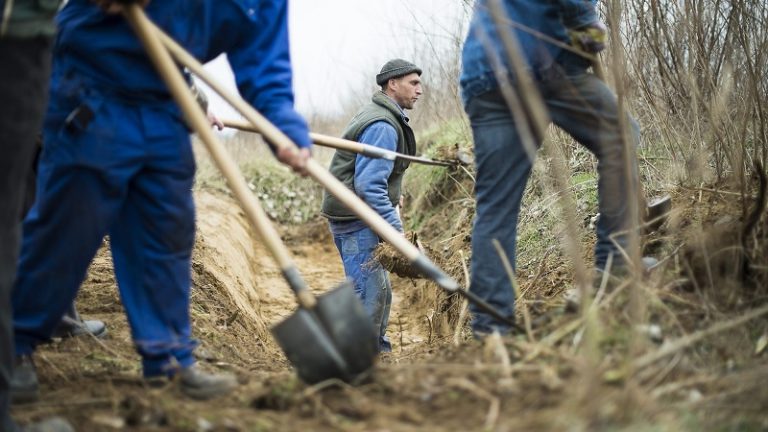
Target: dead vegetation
(690, 356)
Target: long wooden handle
(352, 146)
(597, 69)
(375, 152)
(279, 140)
(197, 119)
(342, 145)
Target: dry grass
(689, 72)
(677, 350)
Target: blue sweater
(103, 51)
(371, 176)
(553, 18)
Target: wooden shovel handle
(597, 69)
(199, 123)
(278, 139)
(373, 151)
(316, 138)
(352, 146)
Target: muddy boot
(657, 212)
(24, 387)
(53, 424)
(199, 384)
(72, 325)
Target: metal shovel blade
(346, 321)
(335, 339)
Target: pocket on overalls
(69, 130)
(71, 109)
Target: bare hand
(114, 7)
(295, 159)
(399, 207)
(215, 121)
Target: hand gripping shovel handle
(278, 139)
(343, 144)
(144, 28)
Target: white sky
(338, 46)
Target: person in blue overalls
(117, 161)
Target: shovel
(276, 138)
(355, 147)
(328, 337)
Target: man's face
(405, 90)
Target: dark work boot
(199, 384)
(24, 385)
(72, 325)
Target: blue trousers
(370, 279)
(126, 171)
(584, 107)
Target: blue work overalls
(117, 161)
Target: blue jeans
(583, 106)
(371, 281)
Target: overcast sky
(338, 46)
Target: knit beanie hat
(395, 69)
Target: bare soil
(437, 377)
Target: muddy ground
(437, 377)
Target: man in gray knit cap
(382, 123)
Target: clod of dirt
(455, 153)
(348, 402)
(395, 262)
(140, 412)
(411, 416)
(272, 401)
(279, 396)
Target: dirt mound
(227, 259)
(228, 266)
(437, 378)
(315, 230)
(724, 239)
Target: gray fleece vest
(342, 166)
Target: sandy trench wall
(229, 259)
